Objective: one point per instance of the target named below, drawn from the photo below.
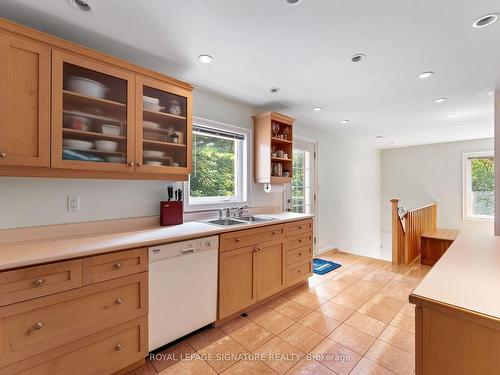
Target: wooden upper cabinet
(273, 148)
(164, 127)
(24, 102)
(93, 121)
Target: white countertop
(21, 254)
(467, 276)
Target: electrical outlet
(73, 203)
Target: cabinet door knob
(38, 325)
(300, 239)
(274, 232)
(39, 282)
(138, 164)
(131, 164)
(118, 347)
(119, 301)
(300, 226)
(300, 271)
(300, 254)
(3, 155)
(238, 240)
(118, 266)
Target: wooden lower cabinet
(94, 329)
(255, 264)
(237, 289)
(269, 269)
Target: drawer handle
(300, 239)
(300, 271)
(257, 249)
(300, 254)
(238, 240)
(300, 226)
(274, 232)
(118, 347)
(38, 325)
(39, 282)
(119, 301)
(118, 266)
(3, 155)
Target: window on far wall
(479, 186)
(219, 174)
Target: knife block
(171, 213)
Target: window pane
(483, 187)
(214, 167)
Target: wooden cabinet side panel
(455, 346)
(24, 102)
(262, 149)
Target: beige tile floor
(354, 320)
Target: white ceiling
(305, 50)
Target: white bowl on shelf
(116, 159)
(111, 129)
(109, 146)
(150, 99)
(150, 125)
(153, 154)
(77, 144)
(153, 107)
(151, 162)
(87, 87)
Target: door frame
(315, 185)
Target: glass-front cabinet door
(164, 127)
(93, 115)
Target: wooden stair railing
(407, 230)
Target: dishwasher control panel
(182, 248)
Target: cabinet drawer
(31, 327)
(33, 282)
(298, 255)
(298, 272)
(242, 238)
(110, 266)
(297, 227)
(104, 353)
(300, 240)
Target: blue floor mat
(321, 266)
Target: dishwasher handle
(187, 251)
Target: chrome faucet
(236, 211)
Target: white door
(301, 193)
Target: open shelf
(96, 152)
(280, 180)
(279, 140)
(279, 159)
(160, 143)
(93, 135)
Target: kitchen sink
(255, 219)
(225, 222)
(239, 221)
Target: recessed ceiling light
(317, 109)
(379, 137)
(345, 122)
(450, 115)
(425, 74)
(293, 2)
(358, 57)
(485, 20)
(205, 59)
(457, 126)
(84, 5)
(439, 100)
(274, 90)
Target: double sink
(225, 222)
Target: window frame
(467, 186)
(243, 177)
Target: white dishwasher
(182, 288)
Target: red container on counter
(171, 213)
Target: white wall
(423, 174)
(348, 216)
(40, 201)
